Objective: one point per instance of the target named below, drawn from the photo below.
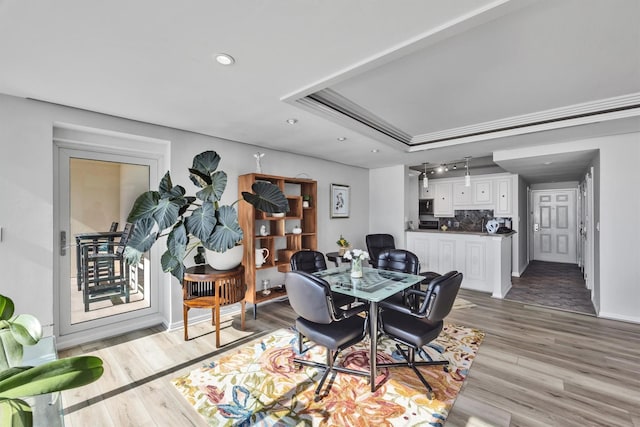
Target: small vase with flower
(356, 256)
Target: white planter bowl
(225, 260)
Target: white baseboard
(77, 338)
(615, 316)
(501, 295)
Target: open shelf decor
(280, 234)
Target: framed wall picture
(340, 201)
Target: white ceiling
(463, 78)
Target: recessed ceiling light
(375, 150)
(342, 138)
(292, 121)
(547, 163)
(225, 59)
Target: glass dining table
(374, 286)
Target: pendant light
(467, 177)
(425, 181)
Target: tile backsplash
(467, 220)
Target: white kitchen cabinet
(482, 192)
(461, 194)
(504, 197)
(483, 259)
(426, 193)
(442, 202)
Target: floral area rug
(260, 384)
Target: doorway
(95, 189)
(554, 225)
(554, 276)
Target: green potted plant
(343, 245)
(194, 220)
(306, 200)
(17, 382)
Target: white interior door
(554, 225)
(96, 189)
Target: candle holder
(266, 287)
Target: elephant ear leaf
(213, 192)
(26, 329)
(140, 241)
(6, 308)
(15, 413)
(176, 249)
(227, 232)
(202, 221)
(206, 162)
(145, 206)
(267, 198)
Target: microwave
(425, 207)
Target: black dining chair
(308, 261)
(400, 260)
(403, 261)
(312, 261)
(322, 322)
(406, 262)
(376, 243)
(415, 328)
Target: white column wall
(387, 202)
(617, 201)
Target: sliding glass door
(96, 289)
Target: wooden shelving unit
(280, 241)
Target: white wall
(596, 218)
(521, 224)
(26, 191)
(411, 193)
(555, 185)
(387, 202)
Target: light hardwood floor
(536, 367)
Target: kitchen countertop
(472, 233)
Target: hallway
(554, 285)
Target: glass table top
(374, 285)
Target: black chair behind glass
(101, 283)
(322, 322)
(414, 328)
(400, 260)
(376, 243)
(312, 261)
(403, 261)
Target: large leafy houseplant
(17, 382)
(194, 220)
